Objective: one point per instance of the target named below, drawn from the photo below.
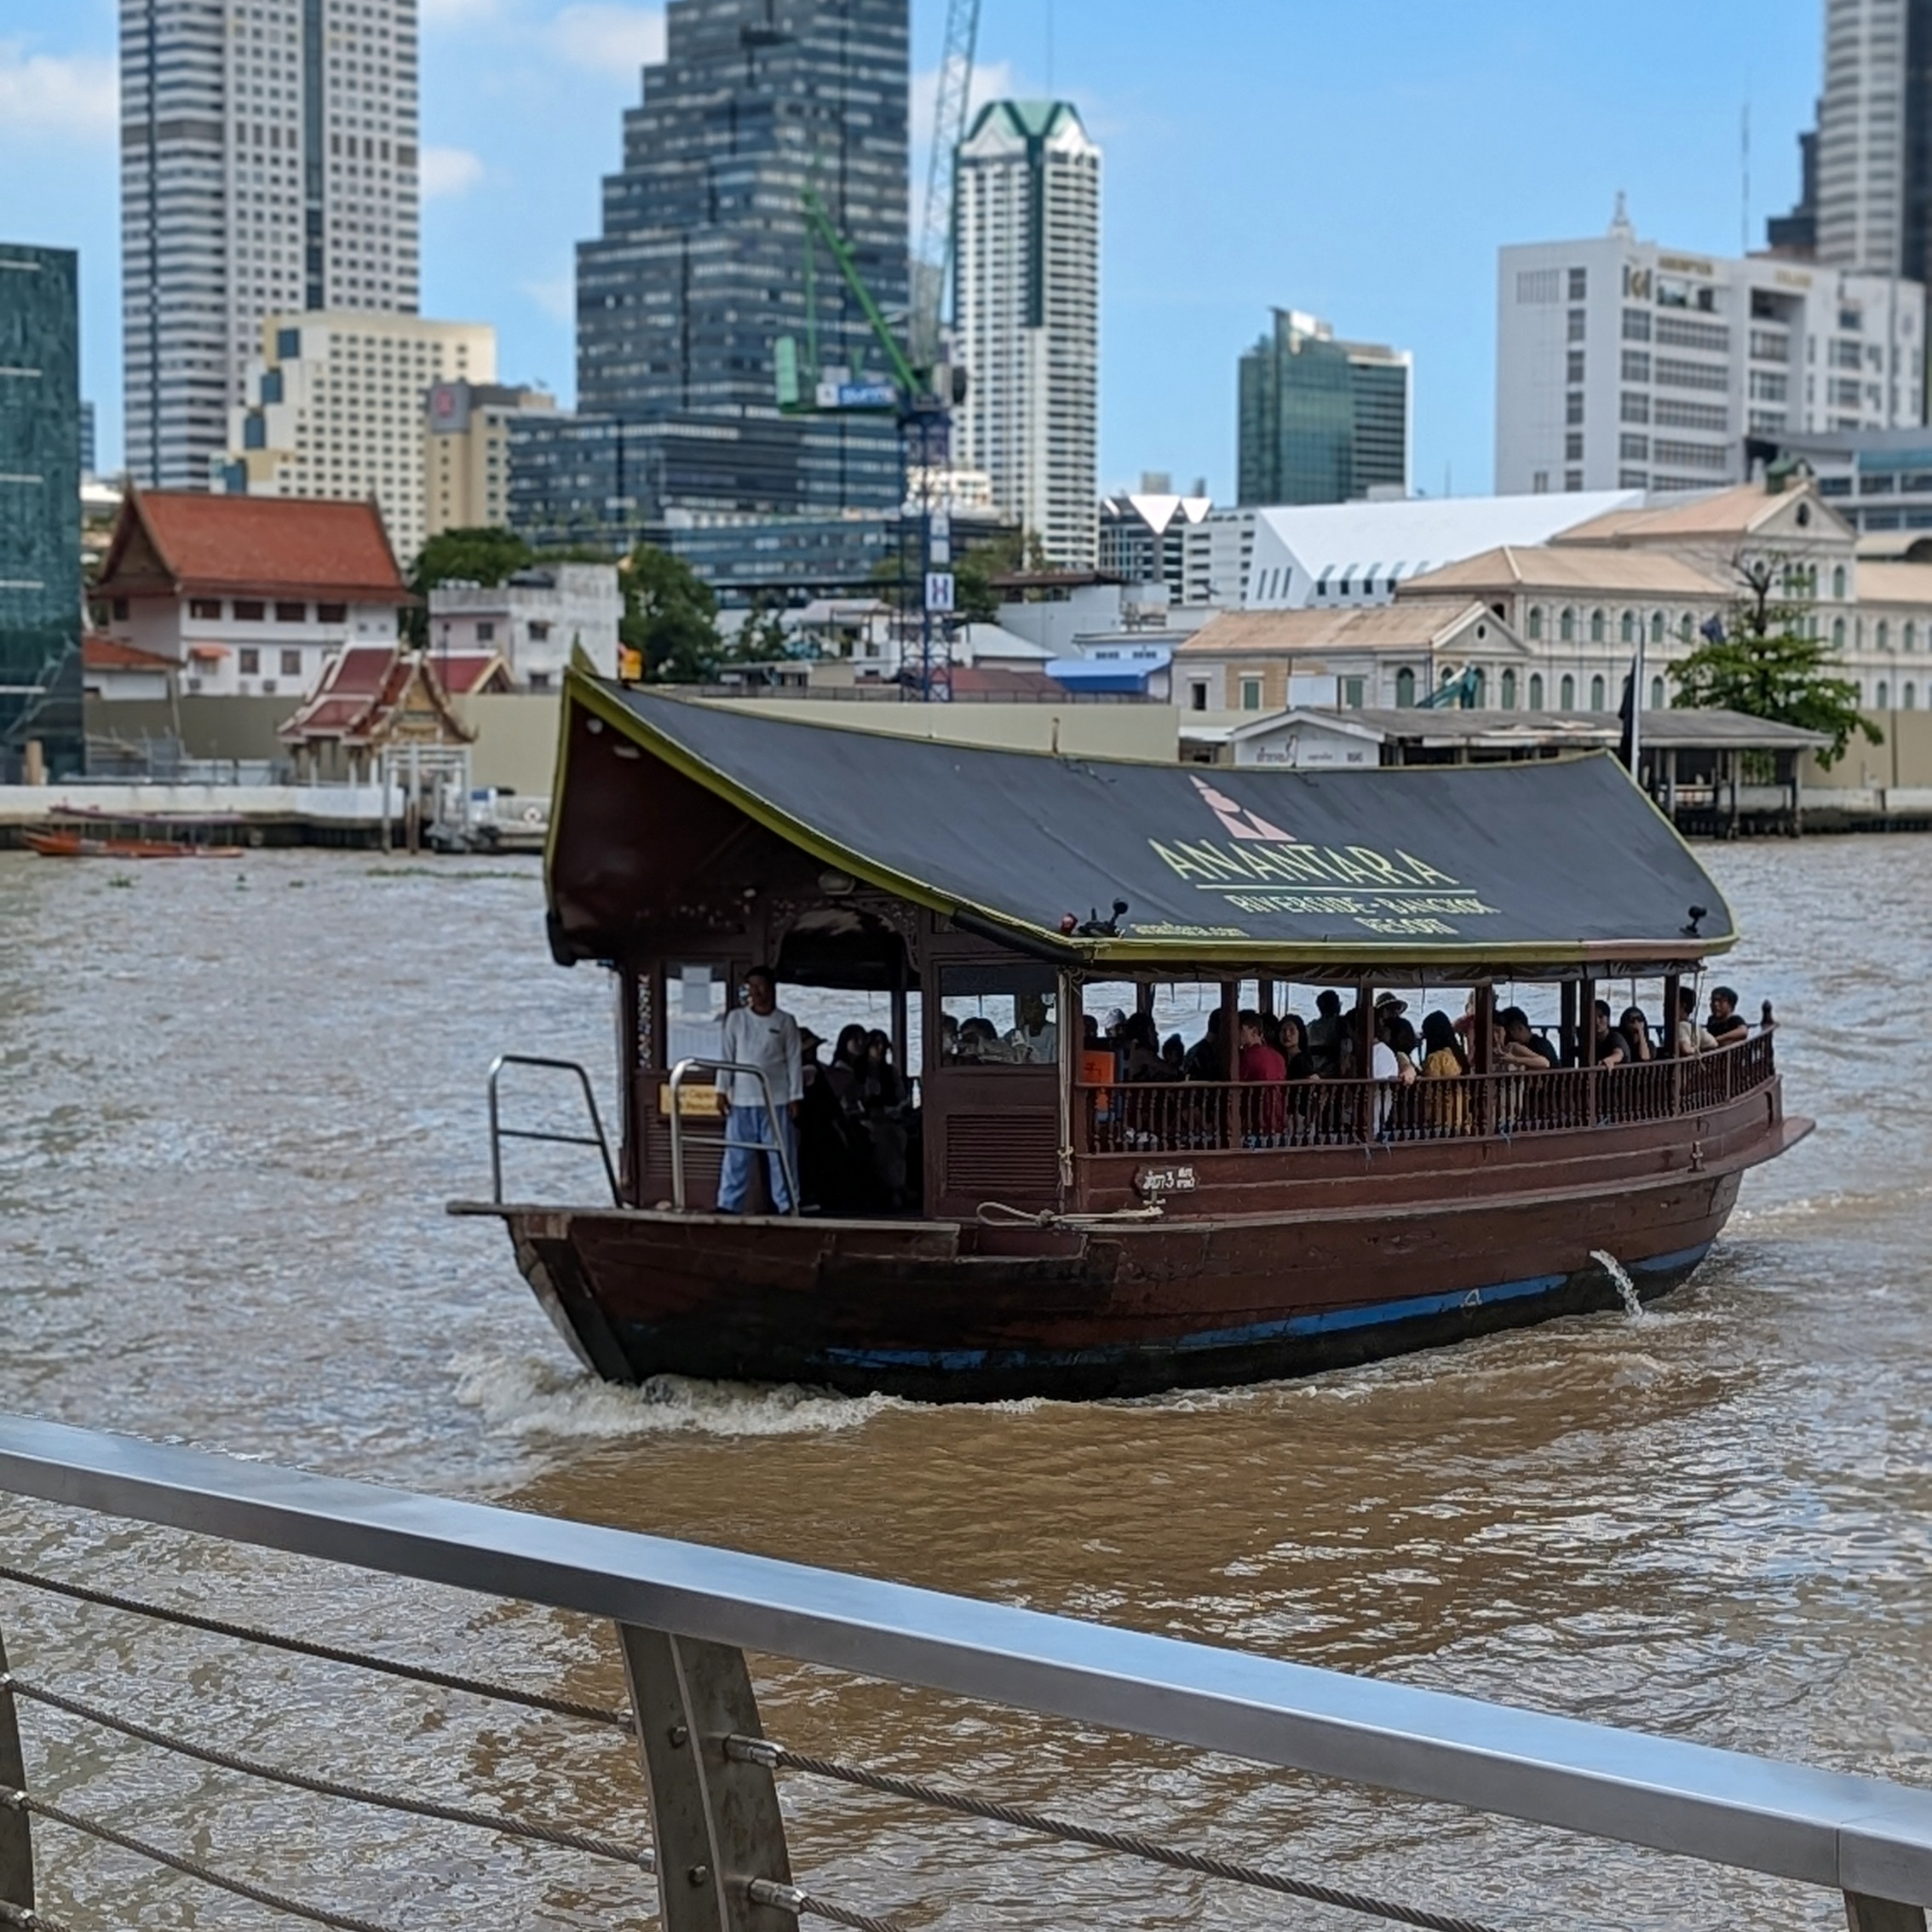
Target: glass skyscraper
(40, 532)
(703, 264)
(1322, 421)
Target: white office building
(335, 405)
(268, 163)
(536, 623)
(1338, 556)
(1625, 365)
(1026, 214)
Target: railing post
(714, 1817)
(16, 1834)
(1864, 1914)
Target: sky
(1361, 162)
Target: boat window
(696, 999)
(999, 1016)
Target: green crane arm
(821, 221)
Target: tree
(462, 556)
(1761, 660)
(670, 617)
(761, 638)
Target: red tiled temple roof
(180, 543)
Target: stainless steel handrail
(1870, 1839)
(499, 1133)
(680, 1139)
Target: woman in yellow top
(1444, 1107)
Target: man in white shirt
(760, 1034)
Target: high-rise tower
(1027, 250)
(704, 261)
(1322, 421)
(268, 162)
(40, 531)
(1874, 141)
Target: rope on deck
(26, 1920)
(1129, 1844)
(330, 1788)
(329, 1653)
(189, 1867)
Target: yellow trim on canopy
(592, 692)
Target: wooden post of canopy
(1586, 1051)
(1365, 1057)
(900, 1037)
(1231, 1057)
(1670, 985)
(1143, 995)
(1566, 1028)
(1482, 1056)
(631, 1115)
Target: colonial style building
(247, 597)
(1557, 626)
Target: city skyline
(1383, 203)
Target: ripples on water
(230, 1108)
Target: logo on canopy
(1237, 821)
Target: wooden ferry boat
(1068, 1233)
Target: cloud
(449, 171)
(74, 95)
(557, 297)
(616, 39)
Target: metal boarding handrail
(1867, 1838)
(680, 1140)
(499, 1133)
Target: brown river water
(233, 1101)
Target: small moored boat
(1062, 1230)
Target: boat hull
(938, 1311)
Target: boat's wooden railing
(1203, 1116)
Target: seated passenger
(1326, 1033)
(1635, 1031)
(979, 1040)
(1609, 1042)
(1445, 1109)
(1726, 1025)
(1388, 1061)
(847, 1064)
(1521, 1047)
(1206, 1059)
(1444, 1058)
(1691, 1038)
(1294, 1047)
(1260, 1064)
(1035, 1038)
(948, 1039)
(1173, 1051)
(1141, 1058)
(1264, 1112)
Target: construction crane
(918, 385)
(932, 260)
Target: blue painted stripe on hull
(1414, 1307)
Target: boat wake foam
(524, 1395)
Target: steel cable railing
(330, 1788)
(1129, 1845)
(684, 1615)
(328, 1653)
(795, 1900)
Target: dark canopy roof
(1559, 862)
